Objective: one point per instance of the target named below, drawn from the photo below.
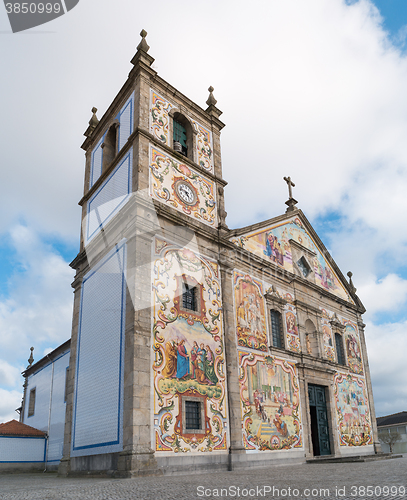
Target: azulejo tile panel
(327, 335)
(168, 177)
(352, 410)
(159, 117)
(188, 352)
(274, 244)
(204, 147)
(250, 314)
(352, 346)
(291, 321)
(270, 402)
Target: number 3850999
(33, 8)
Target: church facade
(194, 346)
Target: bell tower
(153, 166)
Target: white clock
(186, 193)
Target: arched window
(276, 329)
(311, 339)
(109, 147)
(182, 135)
(340, 356)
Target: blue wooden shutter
(109, 198)
(125, 118)
(96, 163)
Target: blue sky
(315, 90)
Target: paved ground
(387, 479)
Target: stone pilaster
(137, 457)
(232, 369)
(65, 466)
(376, 442)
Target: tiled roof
(396, 418)
(14, 428)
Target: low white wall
(20, 449)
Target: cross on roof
(290, 186)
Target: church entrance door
(319, 420)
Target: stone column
(137, 457)
(232, 369)
(376, 442)
(64, 467)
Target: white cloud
(387, 347)
(387, 294)
(9, 402)
(9, 375)
(39, 305)
(37, 311)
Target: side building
(197, 347)
(392, 430)
(44, 400)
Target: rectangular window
(31, 403)
(339, 349)
(189, 301)
(192, 415)
(276, 330)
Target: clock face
(186, 193)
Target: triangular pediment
(290, 242)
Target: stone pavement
(346, 481)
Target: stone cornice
(299, 304)
(302, 248)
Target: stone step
(354, 458)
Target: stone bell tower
(153, 165)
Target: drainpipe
(49, 415)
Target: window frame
(185, 429)
(31, 402)
(341, 349)
(190, 291)
(275, 313)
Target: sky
(315, 90)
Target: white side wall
(49, 411)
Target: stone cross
(290, 185)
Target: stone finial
(352, 286)
(143, 45)
(94, 120)
(211, 99)
(31, 358)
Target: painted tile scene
(188, 353)
(352, 410)
(270, 401)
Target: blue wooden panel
(58, 406)
(126, 117)
(109, 198)
(98, 409)
(96, 163)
